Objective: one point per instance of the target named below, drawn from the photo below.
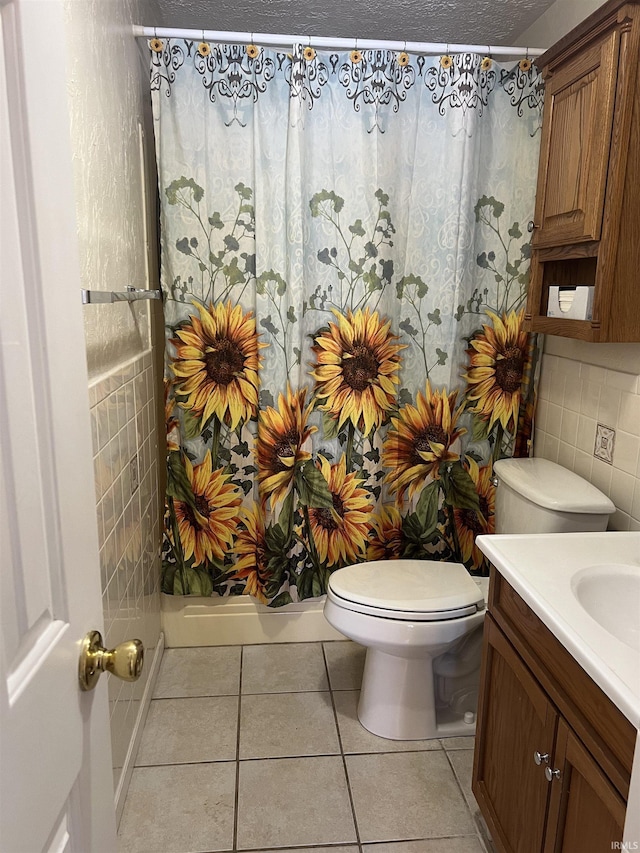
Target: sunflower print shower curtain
(344, 270)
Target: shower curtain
(344, 268)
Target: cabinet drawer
(605, 731)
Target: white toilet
(421, 620)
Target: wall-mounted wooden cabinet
(553, 754)
(587, 216)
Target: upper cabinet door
(574, 154)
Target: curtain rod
(323, 43)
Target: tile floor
(259, 748)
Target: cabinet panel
(515, 719)
(575, 147)
(586, 813)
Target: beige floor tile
(345, 661)
(465, 844)
(404, 796)
(283, 668)
(462, 763)
(451, 743)
(179, 808)
(275, 725)
(210, 671)
(293, 801)
(355, 738)
(181, 731)
(312, 850)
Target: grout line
(237, 792)
(342, 755)
(459, 784)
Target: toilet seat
(416, 590)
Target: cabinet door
(574, 154)
(586, 813)
(515, 719)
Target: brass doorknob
(125, 661)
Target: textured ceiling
(463, 21)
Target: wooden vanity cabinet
(540, 715)
(586, 228)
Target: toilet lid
(403, 586)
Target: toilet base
(397, 700)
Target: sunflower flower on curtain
(344, 269)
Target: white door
(56, 782)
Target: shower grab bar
(131, 294)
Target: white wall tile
(609, 406)
(630, 413)
(625, 452)
(586, 434)
(622, 487)
(554, 420)
(123, 423)
(569, 426)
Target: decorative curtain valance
(344, 266)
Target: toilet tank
(539, 496)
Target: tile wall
(574, 398)
(124, 427)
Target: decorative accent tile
(605, 441)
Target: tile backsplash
(124, 431)
(587, 415)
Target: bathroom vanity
(559, 707)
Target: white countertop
(540, 568)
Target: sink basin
(610, 594)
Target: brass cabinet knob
(125, 661)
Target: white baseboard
(241, 620)
(129, 762)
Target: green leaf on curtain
(183, 184)
(382, 197)
(324, 257)
(312, 487)
(183, 246)
(435, 317)
(459, 489)
(325, 195)
(427, 507)
(357, 228)
(387, 269)
(231, 243)
(192, 427)
(233, 273)
(442, 356)
(243, 191)
(242, 448)
(285, 518)
(282, 599)
(497, 207)
(372, 455)
(406, 326)
(329, 426)
(267, 324)
(405, 397)
(291, 314)
(178, 485)
(197, 582)
(480, 429)
(215, 220)
(266, 399)
(371, 249)
(515, 231)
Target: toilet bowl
(421, 620)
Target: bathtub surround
(577, 402)
(124, 432)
